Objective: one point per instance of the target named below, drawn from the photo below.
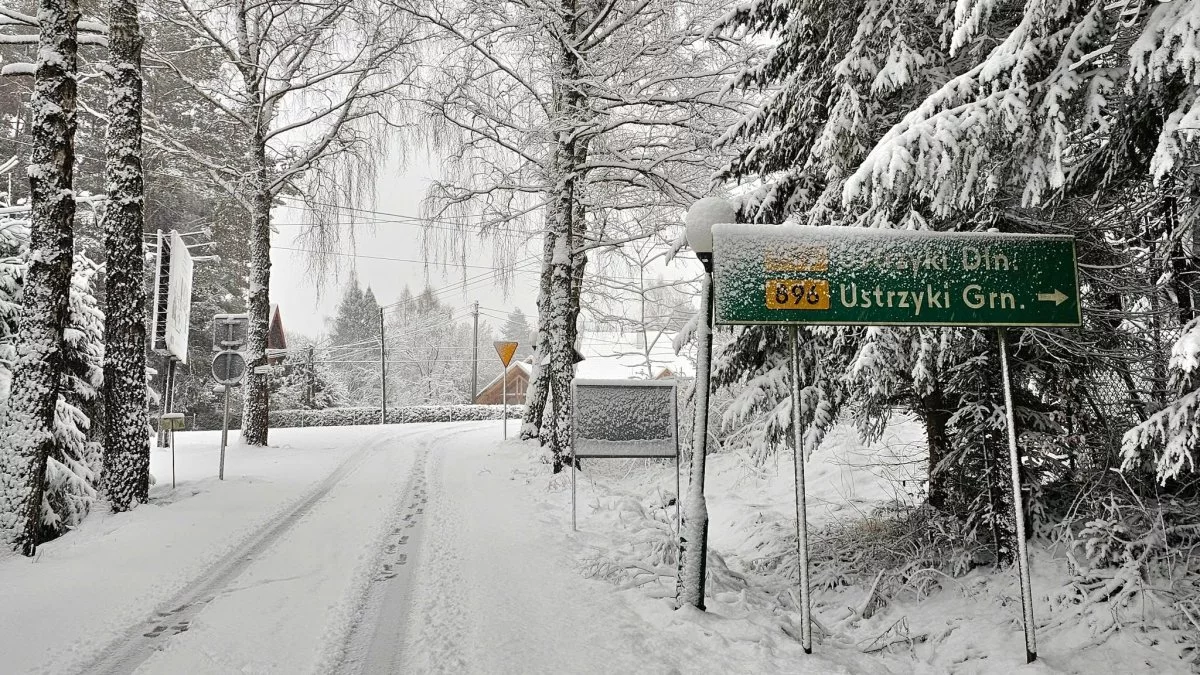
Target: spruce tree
(28, 421)
(126, 442)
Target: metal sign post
(1014, 460)
(505, 350)
(801, 499)
(790, 274)
(228, 369)
(224, 431)
(169, 423)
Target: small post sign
(505, 350)
(624, 418)
(855, 276)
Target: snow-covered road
(411, 548)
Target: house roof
(621, 356)
(618, 356)
(518, 366)
(276, 338)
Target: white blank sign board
(625, 418)
(179, 299)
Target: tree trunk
(29, 420)
(568, 225)
(935, 414)
(539, 382)
(126, 442)
(562, 348)
(254, 416)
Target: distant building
(606, 356)
(517, 375)
(624, 356)
(276, 340)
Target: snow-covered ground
(438, 548)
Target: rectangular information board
(624, 418)
(765, 274)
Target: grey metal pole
(504, 388)
(382, 372)
(172, 433)
(475, 357)
(801, 498)
(693, 541)
(168, 387)
(224, 434)
(1014, 461)
(574, 527)
(678, 516)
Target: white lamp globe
(701, 218)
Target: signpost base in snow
(224, 433)
(169, 423)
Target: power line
(379, 257)
(374, 212)
(376, 361)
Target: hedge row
(339, 417)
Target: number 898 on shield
(797, 294)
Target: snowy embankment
(503, 586)
(439, 548)
(104, 582)
(928, 623)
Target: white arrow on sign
(1057, 297)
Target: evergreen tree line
(1075, 118)
(429, 349)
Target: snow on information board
(625, 418)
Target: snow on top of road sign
(860, 233)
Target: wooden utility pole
(312, 379)
(382, 371)
(475, 356)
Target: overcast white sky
(399, 192)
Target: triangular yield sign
(505, 350)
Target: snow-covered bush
(337, 417)
(73, 468)
(1171, 434)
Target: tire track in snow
(138, 643)
(441, 602)
(377, 641)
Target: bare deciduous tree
(310, 85)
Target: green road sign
(848, 276)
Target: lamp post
(693, 535)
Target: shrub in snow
(72, 470)
(1171, 434)
(338, 417)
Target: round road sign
(229, 367)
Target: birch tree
(566, 115)
(308, 88)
